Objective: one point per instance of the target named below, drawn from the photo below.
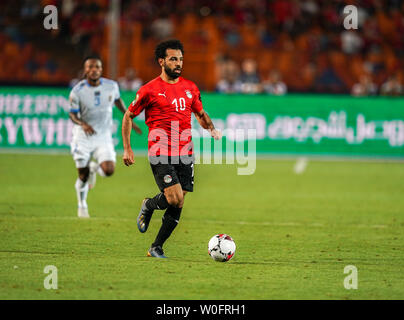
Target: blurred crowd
(261, 46)
(246, 79)
(21, 62)
(303, 45)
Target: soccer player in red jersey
(168, 102)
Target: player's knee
(109, 172)
(169, 197)
(174, 199)
(83, 174)
(108, 168)
(83, 178)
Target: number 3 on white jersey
(182, 104)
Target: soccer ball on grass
(221, 247)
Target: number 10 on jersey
(181, 103)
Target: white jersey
(95, 106)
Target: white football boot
(83, 213)
(93, 174)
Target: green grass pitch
(294, 233)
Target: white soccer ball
(221, 247)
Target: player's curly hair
(92, 57)
(161, 48)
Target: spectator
(329, 81)
(130, 81)
(249, 78)
(162, 28)
(229, 32)
(228, 82)
(84, 25)
(365, 87)
(68, 8)
(351, 42)
(309, 7)
(274, 85)
(392, 87)
(297, 31)
(30, 8)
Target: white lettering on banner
(63, 130)
(36, 131)
(246, 121)
(335, 127)
(64, 103)
(285, 127)
(41, 104)
(12, 129)
(9, 103)
(394, 132)
(32, 132)
(28, 104)
(53, 108)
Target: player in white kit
(91, 103)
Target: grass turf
(294, 233)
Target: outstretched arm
(128, 156)
(121, 106)
(206, 123)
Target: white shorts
(85, 149)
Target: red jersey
(168, 108)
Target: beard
(171, 72)
(93, 77)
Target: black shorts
(172, 172)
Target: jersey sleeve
(140, 102)
(117, 94)
(74, 102)
(197, 102)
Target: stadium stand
(303, 40)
